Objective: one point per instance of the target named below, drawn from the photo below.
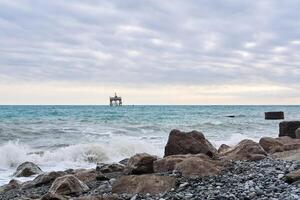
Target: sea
(64, 137)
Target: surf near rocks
(191, 169)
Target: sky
(150, 52)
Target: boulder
(292, 177)
(13, 184)
(141, 163)
(124, 161)
(188, 165)
(274, 115)
(291, 155)
(68, 184)
(143, 184)
(271, 145)
(297, 133)
(223, 148)
(288, 128)
(109, 168)
(188, 143)
(89, 175)
(285, 143)
(27, 169)
(245, 150)
(44, 179)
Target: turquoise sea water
(61, 137)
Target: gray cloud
(146, 42)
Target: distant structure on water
(115, 101)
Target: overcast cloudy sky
(151, 52)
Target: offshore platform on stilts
(115, 101)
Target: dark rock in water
(109, 168)
(288, 128)
(13, 184)
(143, 184)
(189, 165)
(223, 148)
(297, 133)
(245, 150)
(50, 196)
(141, 163)
(285, 143)
(231, 116)
(89, 175)
(292, 176)
(188, 143)
(43, 179)
(124, 161)
(27, 169)
(274, 115)
(68, 184)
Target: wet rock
(87, 176)
(27, 169)
(143, 184)
(188, 143)
(68, 184)
(141, 163)
(285, 143)
(13, 184)
(223, 148)
(274, 115)
(288, 128)
(109, 168)
(245, 150)
(44, 179)
(188, 165)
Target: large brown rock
(89, 175)
(271, 145)
(245, 150)
(291, 155)
(13, 184)
(223, 148)
(27, 169)
(110, 168)
(285, 143)
(292, 176)
(43, 179)
(188, 143)
(141, 163)
(288, 128)
(189, 165)
(67, 184)
(143, 184)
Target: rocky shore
(192, 168)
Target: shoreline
(191, 168)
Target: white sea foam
(74, 156)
